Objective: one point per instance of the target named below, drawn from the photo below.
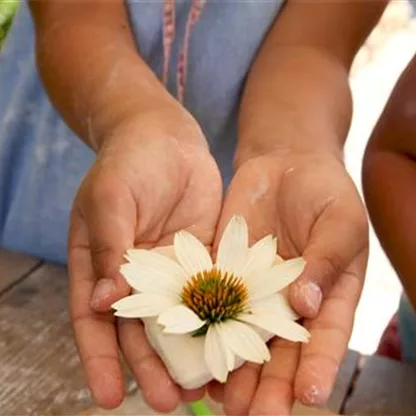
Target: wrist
(171, 122)
(291, 148)
(141, 97)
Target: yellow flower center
(215, 296)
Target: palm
(311, 205)
(168, 188)
(138, 194)
(311, 194)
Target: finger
(336, 239)
(192, 395)
(95, 333)
(240, 388)
(216, 391)
(109, 211)
(330, 334)
(274, 395)
(159, 391)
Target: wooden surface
(346, 374)
(40, 373)
(384, 387)
(13, 267)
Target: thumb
(336, 239)
(110, 214)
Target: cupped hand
(311, 204)
(153, 176)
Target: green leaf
(7, 11)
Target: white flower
(229, 303)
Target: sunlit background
(376, 69)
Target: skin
(289, 180)
(389, 179)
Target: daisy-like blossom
(229, 302)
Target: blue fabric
(222, 47)
(413, 4)
(42, 163)
(407, 329)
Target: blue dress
(41, 161)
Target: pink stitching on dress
(168, 38)
(181, 74)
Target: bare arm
(297, 103)
(297, 96)
(90, 66)
(389, 179)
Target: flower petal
(233, 247)
(191, 253)
(283, 328)
(147, 280)
(142, 305)
(180, 320)
(152, 272)
(215, 354)
(261, 256)
(278, 260)
(244, 341)
(167, 251)
(276, 279)
(276, 304)
(157, 260)
(230, 359)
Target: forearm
(390, 193)
(87, 59)
(389, 180)
(286, 108)
(297, 95)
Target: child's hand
(310, 203)
(153, 177)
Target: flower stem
(200, 408)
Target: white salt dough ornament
(205, 320)
(183, 355)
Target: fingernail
(312, 295)
(103, 290)
(310, 397)
(315, 396)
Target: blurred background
(7, 10)
(375, 71)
